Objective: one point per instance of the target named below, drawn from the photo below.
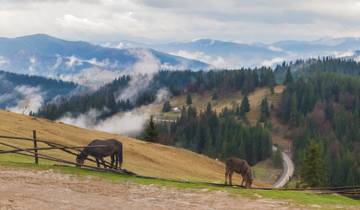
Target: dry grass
(141, 157)
(229, 100)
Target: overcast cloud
(176, 20)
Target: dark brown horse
(240, 166)
(99, 149)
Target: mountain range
(226, 54)
(94, 64)
(79, 61)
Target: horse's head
(80, 158)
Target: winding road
(288, 171)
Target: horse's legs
(226, 175)
(116, 161)
(243, 180)
(112, 161)
(230, 177)
(103, 162)
(119, 159)
(97, 162)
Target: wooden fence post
(35, 148)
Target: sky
(179, 20)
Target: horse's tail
(120, 154)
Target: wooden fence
(35, 152)
(51, 145)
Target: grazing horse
(240, 166)
(100, 149)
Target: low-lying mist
(20, 98)
(131, 122)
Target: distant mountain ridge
(227, 54)
(94, 65)
(48, 56)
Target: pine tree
(294, 116)
(208, 109)
(245, 106)
(166, 106)
(288, 77)
(151, 132)
(265, 112)
(188, 99)
(312, 168)
(215, 96)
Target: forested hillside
(324, 112)
(176, 82)
(218, 135)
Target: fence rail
(72, 150)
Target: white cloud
(57, 63)
(273, 48)
(162, 95)
(3, 61)
(215, 61)
(87, 120)
(128, 123)
(31, 100)
(273, 61)
(142, 73)
(73, 61)
(72, 22)
(32, 66)
(181, 19)
(343, 54)
(92, 77)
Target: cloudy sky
(176, 20)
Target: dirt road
(32, 189)
(288, 171)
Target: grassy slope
(141, 157)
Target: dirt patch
(32, 189)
